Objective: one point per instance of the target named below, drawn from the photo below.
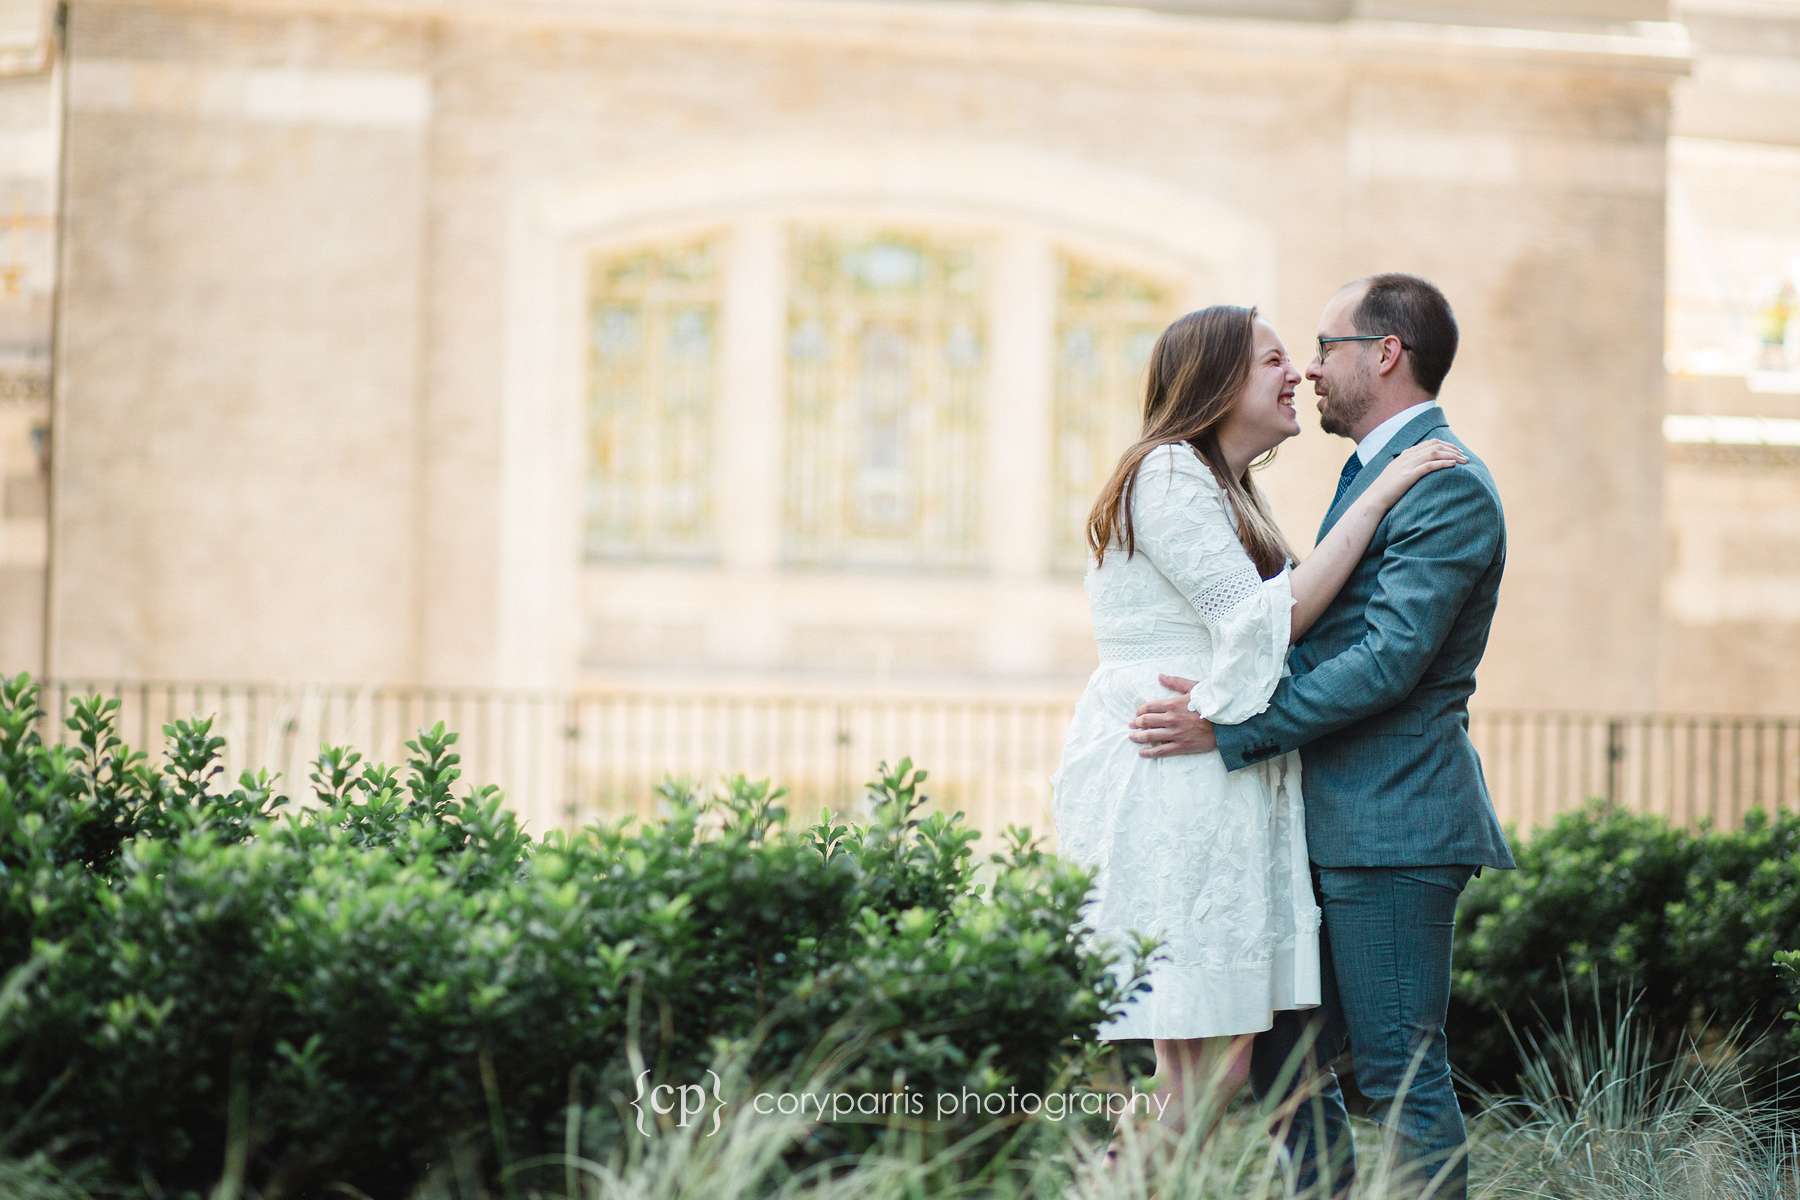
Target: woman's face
(1263, 415)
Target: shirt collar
(1382, 434)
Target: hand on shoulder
(1432, 456)
(1461, 501)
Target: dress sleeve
(1181, 522)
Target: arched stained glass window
(886, 354)
(1107, 320)
(652, 360)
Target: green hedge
(1618, 905)
(395, 972)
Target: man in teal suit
(1397, 810)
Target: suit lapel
(1408, 436)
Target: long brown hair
(1198, 367)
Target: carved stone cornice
(1193, 32)
(1733, 454)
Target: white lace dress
(1210, 861)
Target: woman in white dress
(1192, 577)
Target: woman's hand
(1412, 465)
(1317, 580)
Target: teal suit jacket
(1378, 699)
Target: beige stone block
(21, 618)
(24, 541)
(269, 95)
(246, 35)
(24, 496)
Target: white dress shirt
(1382, 434)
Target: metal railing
(564, 757)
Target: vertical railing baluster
(567, 802)
(841, 751)
(1615, 754)
(1782, 788)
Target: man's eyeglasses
(1355, 337)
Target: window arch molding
(552, 232)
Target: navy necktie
(1346, 477)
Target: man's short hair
(1416, 312)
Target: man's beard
(1349, 401)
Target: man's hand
(1165, 727)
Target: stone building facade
(1731, 592)
(781, 343)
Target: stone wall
(1732, 589)
(29, 91)
(238, 393)
(320, 375)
